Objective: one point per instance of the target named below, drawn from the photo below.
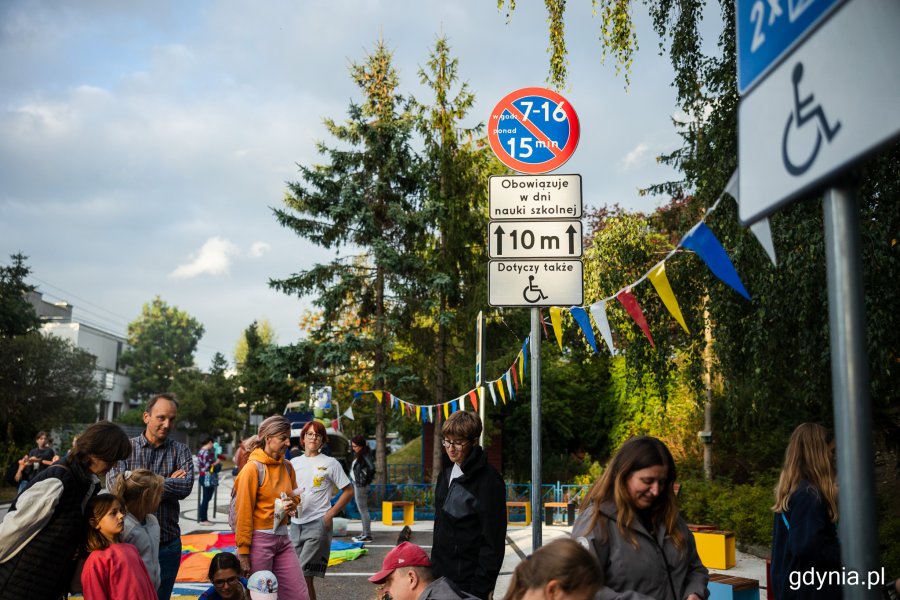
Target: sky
(143, 145)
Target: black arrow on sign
(499, 232)
(571, 231)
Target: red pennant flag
(634, 309)
(474, 398)
(387, 398)
(515, 377)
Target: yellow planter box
(716, 548)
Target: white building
(105, 346)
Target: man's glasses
(220, 583)
(456, 445)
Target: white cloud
(258, 249)
(633, 158)
(214, 258)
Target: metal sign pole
(536, 457)
(850, 383)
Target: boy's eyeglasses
(456, 445)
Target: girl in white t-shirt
(317, 475)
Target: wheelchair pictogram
(533, 289)
(803, 116)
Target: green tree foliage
(17, 315)
(45, 382)
(264, 390)
(208, 402)
(162, 342)
(266, 335)
(454, 169)
(367, 197)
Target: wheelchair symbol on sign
(533, 291)
(804, 116)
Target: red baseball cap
(405, 555)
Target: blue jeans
(206, 493)
(169, 561)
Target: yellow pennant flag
(556, 319)
(521, 360)
(661, 283)
(502, 391)
(418, 413)
(446, 409)
(378, 396)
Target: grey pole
(536, 457)
(850, 382)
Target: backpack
(261, 474)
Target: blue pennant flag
(702, 241)
(581, 317)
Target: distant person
(311, 528)
(262, 510)
(44, 528)
(39, 458)
(560, 569)
(225, 577)
(243, 452)
(406, 574)
(141, 491)
(630, 521)
(207, 460)
(469, 510)
(362, 472)
(155, 450)
(804, 533)
(113, 570)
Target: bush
(744, 509)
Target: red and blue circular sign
(533, 130)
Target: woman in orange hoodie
(266, 496)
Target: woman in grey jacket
(630, 521)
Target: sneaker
(361, 539)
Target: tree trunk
(378, 367)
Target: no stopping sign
(533, 130)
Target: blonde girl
(141, 490)
(561, 570)
(804, 533)
(112, 571)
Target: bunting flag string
(701, 241)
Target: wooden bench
(526, 506)
(728, 587)
(716, 548)
(387, 511)
(550, 508)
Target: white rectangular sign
(534, 239)
(535, 283)
(835, 99)
(535, 197)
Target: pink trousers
(276, 553)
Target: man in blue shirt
(172, 460)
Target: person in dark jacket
(469, 510)
(362, 472)
(630, 521)
(44, 528)
(804, 534)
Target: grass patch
(7, 493)
(411, 453)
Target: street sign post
(821, 109)
(536, 197)
(533, 130)
(534, 283)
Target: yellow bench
(387, 511)
(526, 506)
(716, 548)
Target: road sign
(535, 197)
(830, 103)
(533, 130)
(768, 30)
(535, 283)
(534, 239)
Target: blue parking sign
(768, 30)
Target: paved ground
(349, 580)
